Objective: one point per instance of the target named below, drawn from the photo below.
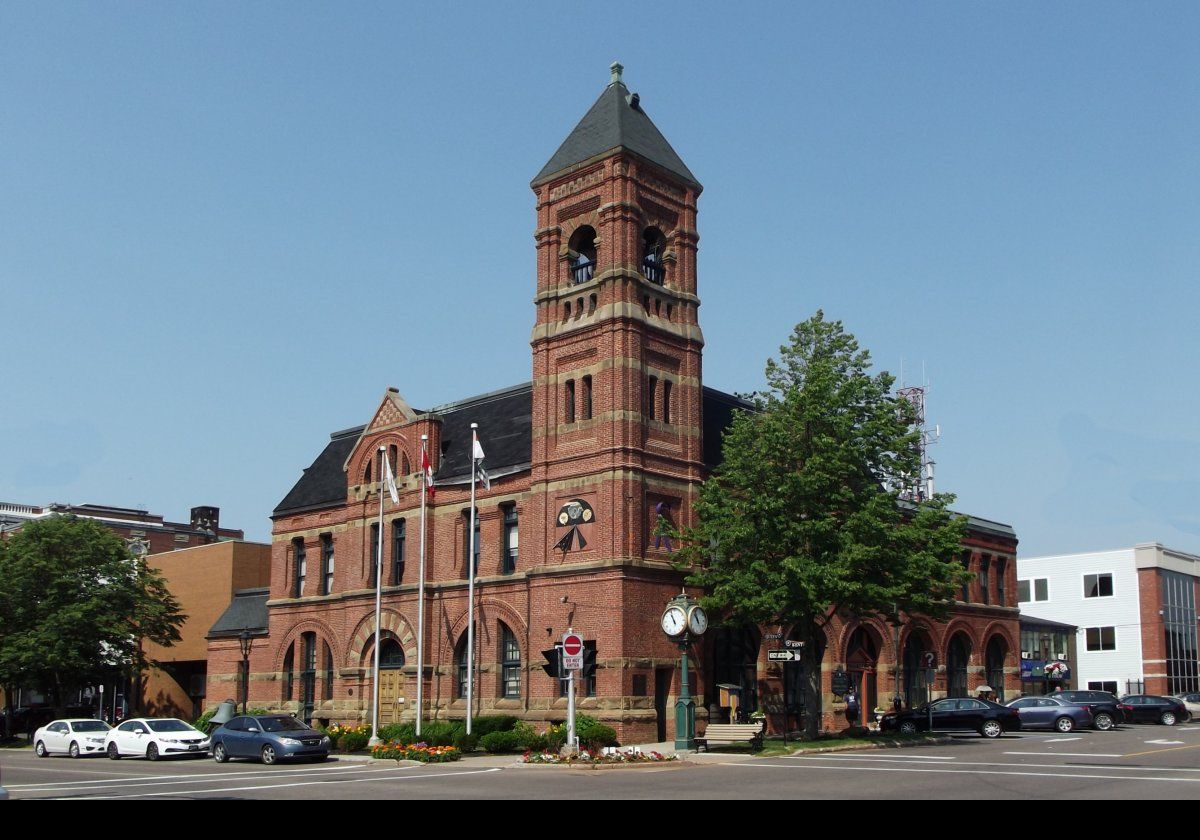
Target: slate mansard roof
(505, 421)
(616, 121)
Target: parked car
(955, 714)
(3, 792)
(1191, 702)
(1105, 707)
(1150, 708)
(75, 738)
(269, 738)
(155, 738)
(1051, 713)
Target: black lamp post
(245, 641)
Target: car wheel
(1167, 719)
(40, 749)
(152, 752)
(113, 752)
(1064, 725)
(1103, 721)
(991, 729)
(908, 727)
(219, 754)
(268, 755)
(73, 751)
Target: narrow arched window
(289, 672)
(583, 254)
(460, 660)
(653, 246)
(327, 694)
(587, 398)
(569, 402)
(510, 663)
(651, 397)
(666, 409)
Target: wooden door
(391, 695)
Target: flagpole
(421, 595)
(375, 739)
(471, 590)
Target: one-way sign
(783, 656)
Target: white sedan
(70, 737)
(154, 738)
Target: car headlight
(96, 740)
(169, 740)
(290, 742)
(325, 739)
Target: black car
(955, 714)
(1105, 707)
(1150, 708)
(270, 738)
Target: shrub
(501, 742)
(405, 733)
(440, 733)
(528, 737)
(597, 736)
(486, 724)
(466, 743)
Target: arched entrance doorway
(391, 681)
(958, 655)
(862, 660)
(735, 662)
(794, 678)
(997, 650)
(916, 686)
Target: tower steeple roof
(616, 121)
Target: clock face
(673, 621)
(697, 620)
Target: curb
(589, 767)
(883, 744)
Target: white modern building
(1136, 610)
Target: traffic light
(553, 664)
(589, 660)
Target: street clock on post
(697, 620)
(683, 620)
(674, 621)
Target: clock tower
(616, 341)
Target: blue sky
(228, 228)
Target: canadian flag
(427, 468)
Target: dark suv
(1150, 708)
(1105, 707)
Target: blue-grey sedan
(1051, 713)
(270, 738)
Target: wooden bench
(732, 733)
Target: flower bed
(415, 752)
(606, 756)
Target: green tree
(75, 606)
(804, 518)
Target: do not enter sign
(572, 646)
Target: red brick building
(615, 422)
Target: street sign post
(572, 648)
(783, 656)
(572, 645)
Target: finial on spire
(616, 69)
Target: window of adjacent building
(985, 578)
(308, 676)
(651, 396)
(583, 254)
(1179, 627)
(460, 659)
(300, 558)
(508, 549)
(1039, 588)
(1098, 586)
(510, 666)
(569, 402)
(398, 537)
(586, 408)
(653, 247)
(326, 564)
(666, 409)
(467, 541)
(639, 685)
(1103, 685)
(1101, 638)
(374, 553)
(328, 692)
(1001, 583)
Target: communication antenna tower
(920, 487)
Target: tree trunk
(812, 683)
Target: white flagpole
(471, 592)
(421, 596)
(375, 739)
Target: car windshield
(90, 726)
(282, 724)
(171, 725)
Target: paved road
(1134, 762)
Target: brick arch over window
(956, 626)
(390, 622)
(366, 658)
(996, 628)
(308, 625)
(368, 454)
(486, 610)
(880, 633)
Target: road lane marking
(1061, 740)
(1068, 755)
(405, 778)
(949, 771)
(150, 781)
(1163, 742)
(1168, 749)
(1141, 768)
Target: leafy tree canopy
(75, 605)
(805, 515)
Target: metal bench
(732, 733)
